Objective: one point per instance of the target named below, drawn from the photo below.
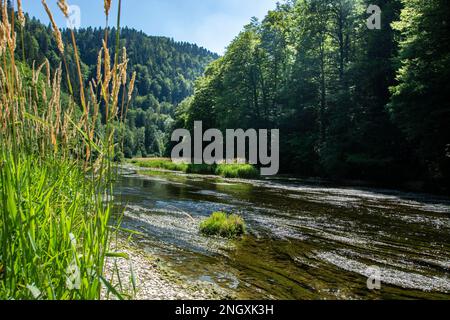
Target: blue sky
(208, 23)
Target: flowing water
(304, 241)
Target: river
(304, 240)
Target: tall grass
(158, 163)
(56, 171)
(54, 235)
(236, 170)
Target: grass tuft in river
(224, 225)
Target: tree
(420, 104)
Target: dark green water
(304, 241)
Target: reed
(22, 21)
(56, 172)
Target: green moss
(224, 225)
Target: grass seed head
(107, 6)
(62, 4)
(20, 15)
(56, 31)
(131, 88)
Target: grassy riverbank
(53, 229)
(56, 171)
(244, 171)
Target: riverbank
(153, 278)
(150, 166)
(244, 171)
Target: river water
(304, 241)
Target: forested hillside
(165, 75)
(350, 102)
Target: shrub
(224, 225)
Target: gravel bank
(154, 280)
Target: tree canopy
(350, 102)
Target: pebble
(151, 282)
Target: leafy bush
(224, 225)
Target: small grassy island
(223, 225)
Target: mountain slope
(166, 71)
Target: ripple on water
(173, 227)
(212, 193)
(349, 196)
(316, 233)
(389, 275)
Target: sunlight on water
(303, 242)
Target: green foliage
(244, 171)
(165, 69)
(223, 225)
(201, 169)
(55, 203)
(314, 70)
(350, 102)
(53, 231)
(165, 164)
(420, 104)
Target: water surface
(304, 241)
